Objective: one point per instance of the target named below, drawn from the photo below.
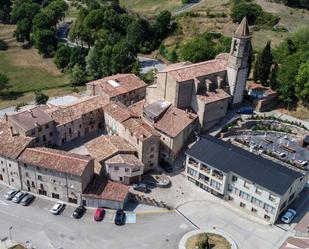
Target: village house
(34, 122)
(206, 88)
(117, 157)
(77, 119)
(125, 88)
(54, 173)
(256, 185)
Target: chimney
(12, 132)
(208, 84)
(219, 82)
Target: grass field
(26, 69)
(150, 7)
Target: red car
(99, 214)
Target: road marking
(21, 218)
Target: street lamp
(10, 231)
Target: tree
(62, 57)
(3, 45)
(302, 83)
(24, 10)
(5, 10)
(77, 76)
(45, 41)
(23, 29)
(273, 82)
(250, 10)
(263, 64)
(162, 23)
(40, 98)
(4, 83)
(93, 65)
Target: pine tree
(262, 65)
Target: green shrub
(3, 45)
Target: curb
(154, 212)
(182, 243)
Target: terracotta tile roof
(189, 72)
(68, 113)
(30, 119)
(259, 87)
(118, 111)
(107, 190)
(174, 121)
(128, 159)
(12, 146)
(56, 160)
(104, 147)
(213, 96)
(119, 84)
(295, 243)
(137, 108)
(177, 65)
(139, 128)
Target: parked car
(18, 197)
(79, 212)
(301, 162)
(288, 216)
(9, 195)
(120, 217)
(57, 208)
(27, 200)
(166, 166)
(245, 110)
(281, 154)
(141, 187)
(99, 214)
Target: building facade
(265, 190)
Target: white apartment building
(253, 183)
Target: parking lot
(37, 226)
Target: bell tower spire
(237, 68)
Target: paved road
(46, 231)
(148, 64)
(187, 7)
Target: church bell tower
(237, 68)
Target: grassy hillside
(26, 69)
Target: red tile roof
(213, 96)
(56, 160)
(259, 87)
(189, 72)
(68, 113)
(106, 190)
(139, 128)
(12, 146)
(128, 159)
(104, 147)
(174, 121)
(118, 111)
(124, 83)
(295, 243)
(30, 119)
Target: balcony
(205, 169)
(193, 163)
(217, 174)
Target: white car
(57, 208)
(301, 162)
(288, 216)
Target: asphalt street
(37, 226)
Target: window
(37, 140)
(253, 210)
(269, 208)
(55, 188)
(244, 195)
(12, 180)
(127, 170)
(257, 202)
(151, 156)
(1, 162)
(116, 168)
(204, 178)
(258, 191)
(242, 204)
(46, 126)
(25, 165)
(3, 170)
(40, 128)
(10, 165)
(232, 189)
(27, 174)
(40, 177)
(191, 171)
(234, 178)
(44, 138)
(271, 198)
(247, 185)
(152, 149)
(215, 184)
(266, 217)
(32, 184)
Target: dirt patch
(300, 111)
(215, 241)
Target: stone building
(119, 120)
(125, 88)
(54, 173)
(34, 122)
(117, 157)
(207, 88)
(256, 185)
(77, 119)
(11, 146)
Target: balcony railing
(194, 164)
(204, 169)
(218, 176)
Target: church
(207, 88)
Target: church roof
(243, 28)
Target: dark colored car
(141, 187)
(79, 212)
(120, 217)
(245, 110)
(9, 195)
(27, 200)
(99, 214)
(166, 166)
(18, 197)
